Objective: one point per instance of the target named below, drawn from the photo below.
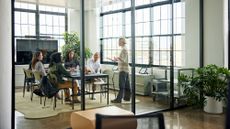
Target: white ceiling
(72, 4)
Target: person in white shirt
(94, 66)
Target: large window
(32, 21)
(153, 31)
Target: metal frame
(13, 67)
(82, 52)
(133, 71)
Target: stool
(86, 119)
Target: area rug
(33, 109)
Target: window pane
(156, 13)
(32, 18)
(49, 30)
(17, 30)
(156, 43)
(49, 20)
(156, 28)
(17, 17)
(62, 30)
(156, 58)
(62, 20)
(24, 30)
(43, 29)
(24, 18)
(56, 20)
(42, 19)
(32, 30)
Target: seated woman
(37, 64)
(71, 62)
(57, 70)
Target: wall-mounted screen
(26, 47)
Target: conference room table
(76, 76)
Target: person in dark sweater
(56, 73)
(71, 62)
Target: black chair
(150, 121)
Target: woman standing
(123, 67)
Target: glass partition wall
(162, 39)
(166, 45)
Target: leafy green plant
(72, 42)
(210, 80)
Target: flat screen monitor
(26, 47)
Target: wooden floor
(185, 118)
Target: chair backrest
(111, 75)
(150, 121)
(37, 75)
(28, 73)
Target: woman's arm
(62, 70)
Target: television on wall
(26, 47)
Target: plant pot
(213, 105)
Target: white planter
(213, 106)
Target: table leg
(108, 90)
(72, 94)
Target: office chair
(150, 121)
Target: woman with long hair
(37, 64)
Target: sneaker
(115, 101)
(127, 99)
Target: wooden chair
(37, 76)
(28, 81)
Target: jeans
(124, 86)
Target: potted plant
(72, 42)
(207, 88)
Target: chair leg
(101, 89)
(31, 90)
(55, 98)
(114, 91)
(40, 100)
(45, 102)
(24, 88)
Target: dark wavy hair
(55, 58)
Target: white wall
(226, 33)
(91, 33)
(192, 29)
(74, 20)
(214, 32)
(5, 65)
